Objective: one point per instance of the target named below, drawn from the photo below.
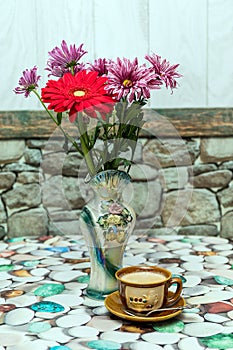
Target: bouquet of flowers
(104, 99)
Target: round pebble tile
(134, 260)
(216, 259)
(29, 263)
(72, 320)
(49, 289)
(215, 240)
(58, 249)
(59, 267)
(83, 332)
(23, 300)
(55, 333)
(192, 258)
(72, 255)
(7, 307)
(191, 281)
(215, 318)
(201, 274)
(6, 254)
(103, 344)
(40, 271)
(27, 279)
(178, 245)
(219, 341)
(60, 347)
(92, 302)
(211, 297)
(190, 343)
(74, 286)
(66, 276)
(120, 337)
(202, 330)
(230, 314)
(69, 300)
(42, 253)
(11, 338)
(38, 327)
(191, 266)
(19, 316)
(161, 338)
(23, 257)
(223, 273)
(11, 293)
(51, 261)
(139, 345)
(220, 247)
(181, 252)
(104, 324)
(101, 310)
(4, 284)
(47, 306)
(170, 326)
(224, 280)
(190, 318)
(201, 248)
(211, 266)
(7, 267)
(26, 249)
(197, 290)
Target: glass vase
(106, 223)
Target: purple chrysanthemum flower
(165, 71)
(28, 82)
(128, 80)
(100, 66)
(65, 60)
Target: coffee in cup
(146, 288)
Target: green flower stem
(74, 143)
(133, 149)
(85, 146)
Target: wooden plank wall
(184, 122)
(197, 34)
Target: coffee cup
(146, 288)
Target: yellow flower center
(79, 93)
(127, 83)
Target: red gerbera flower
(84, 91)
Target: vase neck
(109, 184)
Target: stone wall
(179, 186)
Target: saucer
(114, 305)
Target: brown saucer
(114, 305)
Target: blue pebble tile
(47, 306)
(58, 249)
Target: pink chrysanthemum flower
(65, 60)
(165, 71)
(128, 80)
(100, 66)
(28, 82)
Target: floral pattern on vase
(106, 223)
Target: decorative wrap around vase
(106, 223)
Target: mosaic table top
(43, 303)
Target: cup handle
(171, 300)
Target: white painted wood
(70, 20)
(197, 34)
(178, 33)
(18, 49)
(121, 28)
(220, 53)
